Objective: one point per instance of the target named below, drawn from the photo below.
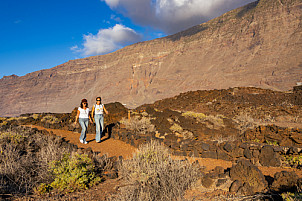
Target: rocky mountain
(257, 45)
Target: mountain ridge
(256, 45)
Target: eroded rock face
(249, 175)
(258, 45)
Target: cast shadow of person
(108, 130)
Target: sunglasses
(98, 100)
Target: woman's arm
(89, 116)
(105, 110)
(77, 117)
(92, 112)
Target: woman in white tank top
(83, 116)
(98, 113)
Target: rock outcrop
(255, 45)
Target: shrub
(35, 116)
(138, 124)
(294, 161)
(24, 158)
(216, 121)
(152, 175)
(50, 119)
(220, 139)
(288, 196)
(176, 128)
(73, 172)
(244, 122)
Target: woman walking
(83, 116)
(98, 113)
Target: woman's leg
(102, 124)
(84, 124)
(97, 128)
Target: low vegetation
(213, 122)
(34, 162)
(24, 159)
(71, 173)
(294, 161)
(153, 175)
(50, 119)
(141, 125)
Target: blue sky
(40, 34)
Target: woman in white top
(83, 116)
(98, 113)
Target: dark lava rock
(284, 181)
(208, 154)
(221, 182)
(218, 170)
(245, 189)
(204, 146)
(228, 147)
(207, 181)
(246, 172)
(221, 154)
(268, 157)
(235, 186)
(247, 153)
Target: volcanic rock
(268, 157)
(246, 172)
(284, 181)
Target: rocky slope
(256, 45)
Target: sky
(41, 34)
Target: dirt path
(119, 148)
(110, 146)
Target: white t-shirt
(99, 109)
(84, 113)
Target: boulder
(268, 157)
(207, 181)
(284, 181)
(245, 189)
(246, 172)
(235, 186)
(247, 153)
(221, 154)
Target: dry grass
(246, 121)
(152, 175)
(213, 122)
(138, 124)
(50, 119)
(220, 139)
(176, 128)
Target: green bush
(73, 173)
(152, 175)
(288, 196)
(294, 161)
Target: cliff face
(257, 45)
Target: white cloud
(108, 40)
(173, 15)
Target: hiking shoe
(81, 141)
(85, 142)
(98, 141)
